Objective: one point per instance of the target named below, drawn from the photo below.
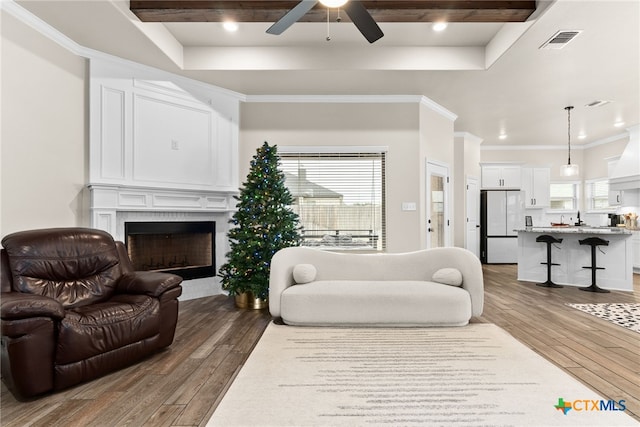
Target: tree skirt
(625, 315)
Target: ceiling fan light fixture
(357, 12)
(333, 3)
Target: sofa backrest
(75, 266)
(349, 266)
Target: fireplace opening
(183, 248)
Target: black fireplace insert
(183, 248)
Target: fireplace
(183, 248)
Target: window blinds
(563, 196)
(599, 194)
(340, 197)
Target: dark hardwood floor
(182, 385)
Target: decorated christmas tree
(262, 225)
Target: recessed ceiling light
(230, 26)
(439, 26)
(582, 136)
(618, 124)
(503, 136)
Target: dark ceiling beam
(381, 10)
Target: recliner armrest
(147, 282)
(16, 305)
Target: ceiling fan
(354, 8)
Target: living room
(48, 110)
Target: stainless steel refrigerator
(501, 212)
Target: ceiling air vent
(560, 39)
(598, 103)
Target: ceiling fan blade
(292, 16)
(363, 20)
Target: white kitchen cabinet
(624, 198)
(535, 184)
(501, 177)
(615, 198)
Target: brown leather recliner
(73, 309)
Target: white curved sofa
(375, 289)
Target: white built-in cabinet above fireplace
(159, 143)
(154, 129)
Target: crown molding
(528, 147)
(602, 141)
(356, 99)
(607, 140)
(432, 105)
(336, 99)
(468, 136)
(26, 17)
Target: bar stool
(594, 242)
(549, 240)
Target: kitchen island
(616, 258)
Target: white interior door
(437, 205)
(472, 234)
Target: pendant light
(569, 169)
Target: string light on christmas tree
(263, 224)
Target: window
(563, 196)
(598, 195)
(340, 197)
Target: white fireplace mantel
(107, 200)
(112, 206)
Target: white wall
(466, 164)
(325, 124)
(595, 159)
(436, 145)
(412, 132)
(44, 132)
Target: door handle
(429, 230)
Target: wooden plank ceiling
(381, 10)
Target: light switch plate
(408, 206)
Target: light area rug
(477, 375)
(625, 315)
